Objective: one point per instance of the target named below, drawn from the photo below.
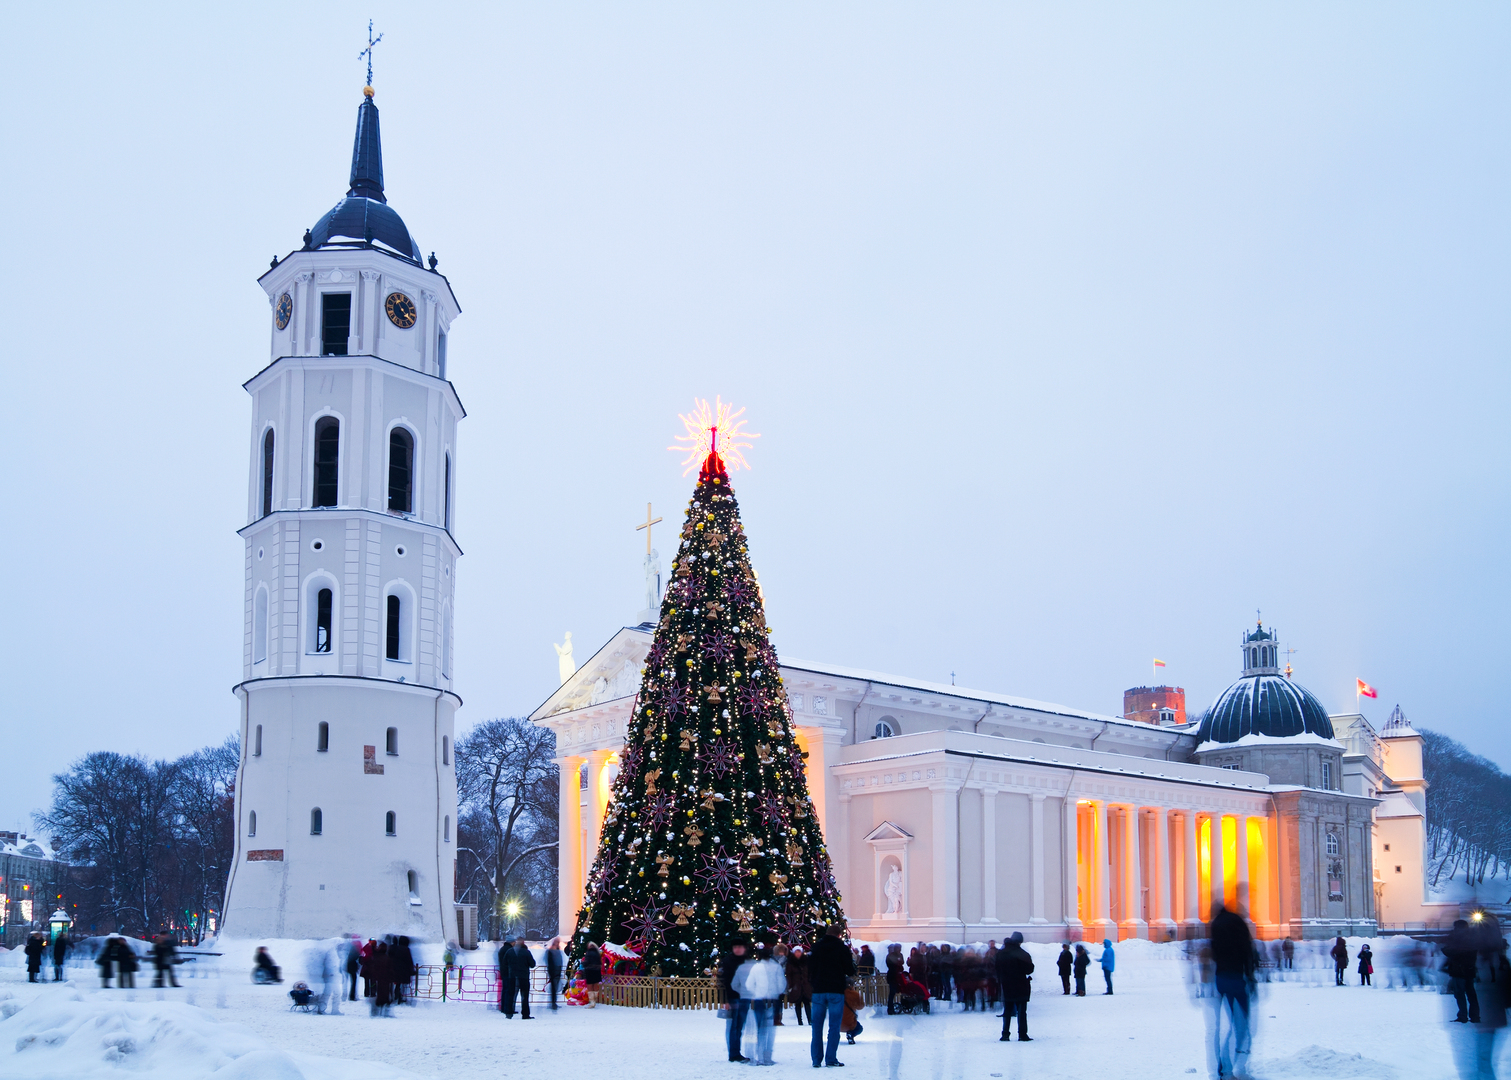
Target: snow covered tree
(710, 833)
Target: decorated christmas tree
(710, 833)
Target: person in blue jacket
(1109, 961)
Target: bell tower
(346, 794)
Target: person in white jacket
(760, 981)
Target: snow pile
(1317, 1061)
(65, 1035)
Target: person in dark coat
(989, 974)
(828, 969)
(401, 960)
(1014, 975)
(555, 961)
(947, 958)
(1340, 961)
(106, 961)
(514, 964)
(1082, 962)
(36, 945)
(60, 947)
(894, 974)
(164, 957)
(1065, 962)
(125, 964)
(1459, 955)
(263, 967)
(799, 989)
(1366, 966)
(379, 970)
(1233, 964)
(591, 970)
(866, 964)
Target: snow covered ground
(220, 1024)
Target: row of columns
(1125, 842)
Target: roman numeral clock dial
(401, 310)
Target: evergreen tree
(710, 833)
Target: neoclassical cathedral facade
(346, 793)
(952, 814)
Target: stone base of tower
(357, 837)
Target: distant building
(32, 885)
(1155, 704)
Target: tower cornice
(388, 367)
(276, 279)
(315, 513)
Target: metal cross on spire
(649, 521)
(367, 53)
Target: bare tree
(204, 796)
(507, 787)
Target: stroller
(912, 996)
(302, 997)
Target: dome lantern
(1261, 651)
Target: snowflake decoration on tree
(645, 924)
(654, 658)
(737, 590)
(718, 647)
(719, 757)
(658, 810)
(773, 811)
(723, 872)
(793, 927)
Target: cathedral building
(346, 792)
(961, 815)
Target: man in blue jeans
(828, 967)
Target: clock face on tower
(401, 310)
(285, 310)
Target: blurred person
(60, 946)
(760, 981)
(1475, 1046)
(894, 974)
(401, 959)
(1366, 965)
(1340, 961)
(1065, 963)
(989, 974)
(364, 955)
(591, 971)
(353, 950)
(1233, 961)
(1461, 961)
(967, 978)
(105, 959)
(865, 963)
(1015, 974)
(736, 1007)
(779, 957)
(263, 968)
(1082, 962)
(380, 970)
(1288, 953)
(1109, 962)
(556, 960)
(514, 964)
(126, 964)
(164, 957)
(829, 968)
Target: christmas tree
(710, 833)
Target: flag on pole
(1159, 663)
(1365, 690)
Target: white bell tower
(346, 795)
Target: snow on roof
(1306, 738)
(959, 691)
(1395, 804)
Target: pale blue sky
(1073, 335)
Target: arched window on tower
(446, 828)
(320, 641)
(391, 824)
(414, 885)
(445, 750)
(400, 471)
(317, 822)
(392, 742)
(323, 737)
(396, 643)
(267, 473)
(440, 354)
(257, 742)
(260, 626)
(446, 510)
(335, 323)
(327, 460)
(252, 823)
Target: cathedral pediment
(612, 672)
(888, 831)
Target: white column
(1219, 874)
(569, 857)
(1133, 875)
(1191, 916)
(1242, 870)
(597, 802)
(1102, 870)
(989, 855)
(1071, 854)
(1036, 858)
(946, 856)
(1162, 873)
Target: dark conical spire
(367, 153)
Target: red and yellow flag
(1365, 690)
(1159, 663)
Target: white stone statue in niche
(564, 662)
(893, 889)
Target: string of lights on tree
(710, 834)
